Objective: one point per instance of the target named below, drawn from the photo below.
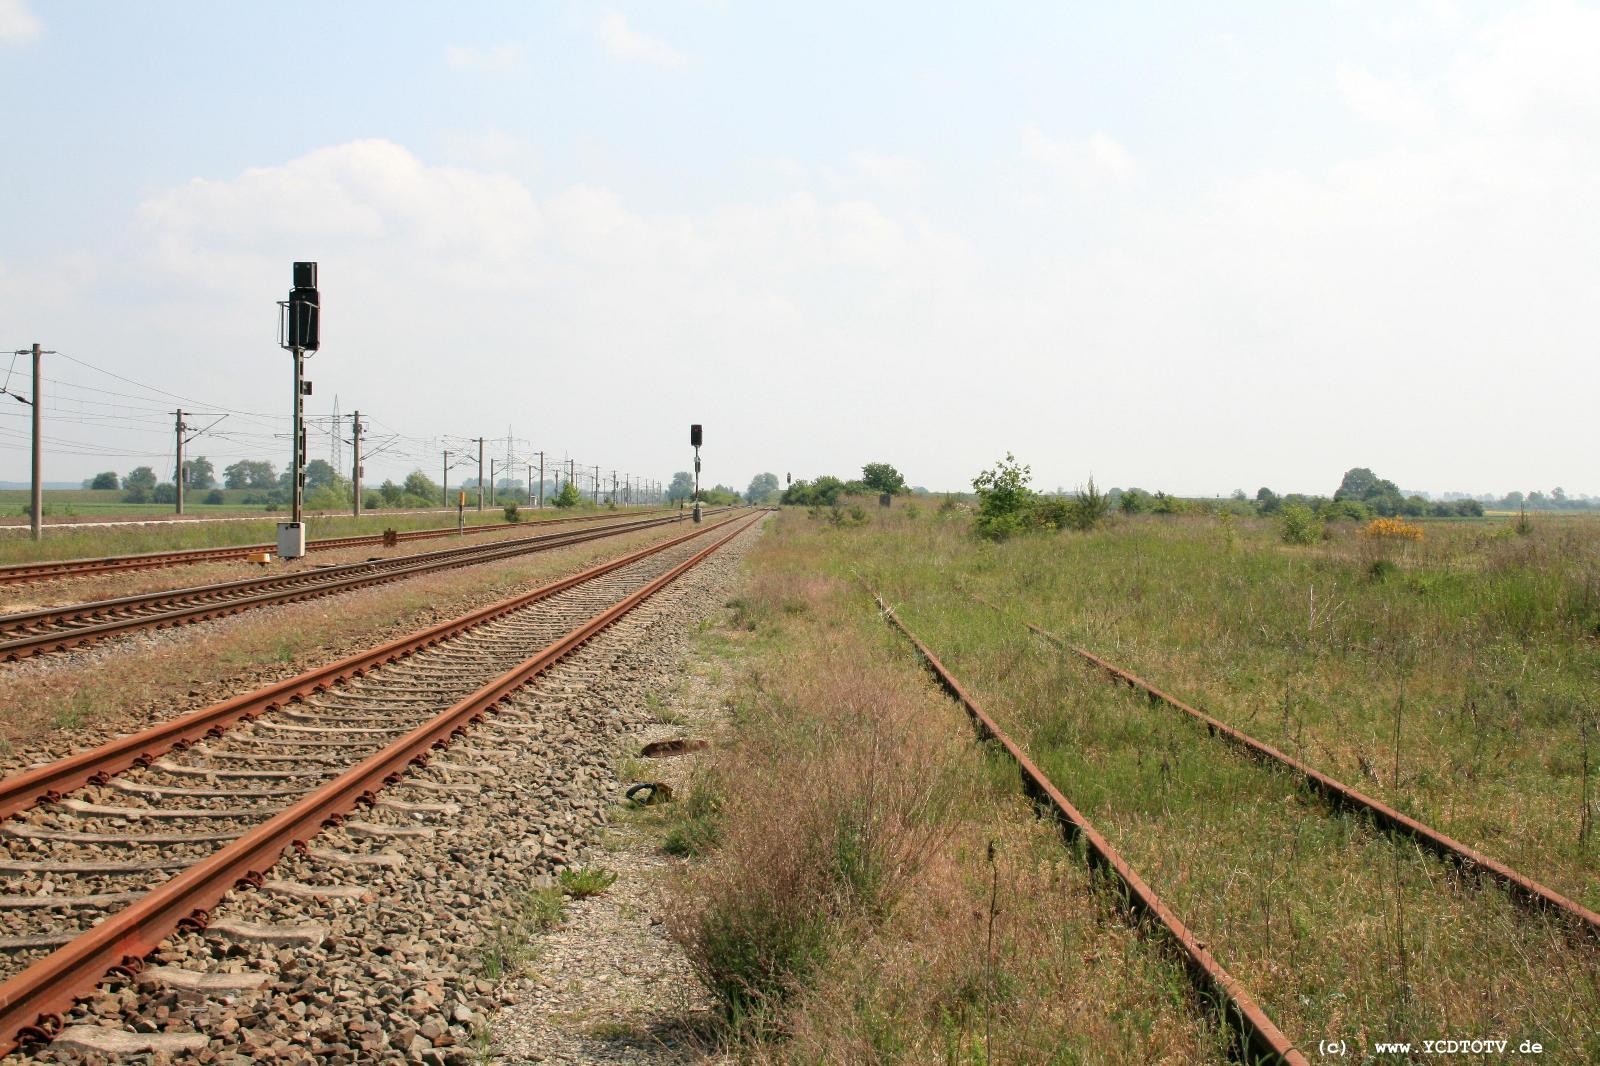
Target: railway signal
(694, 440)
(299, 331)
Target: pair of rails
(312, 783)
(1260, 1038)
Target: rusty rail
(31, 1001)
(51, 782)
(200, 603)
(18, 572)
(1261, 1036)
(1339, 794)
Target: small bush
(590, 881)
(1392, 529)
(1381, 570)
(695, 824)
(1005, 503)
(215, 497)
(1298, 524)
(512, 514)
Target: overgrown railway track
(57, 628)
(17, 573)
(1336, 793)
(1261, 1038)
(106, 853)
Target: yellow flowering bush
(1392, 529)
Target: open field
(1453, 678)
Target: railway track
(1338, 794)
(1260, 1037)
(105, 854)
(57, 628)
(18, 573)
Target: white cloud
(625, 42)
(495, 57)
(1537, 65)
(1097, 162)
(1382, 100)
(896, 173)
(18, 23)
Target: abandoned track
(18, 573)
(219, 795)
(58, 628)
(1338, 794)
(1264, 1040)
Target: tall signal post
(694, 439)
(480, 473)
(355, 464)
(299, 330)
(36, 496)
(177, 480)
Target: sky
(1193, 248)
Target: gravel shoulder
(609, 984)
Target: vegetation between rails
(1474, 646)
(869, 884)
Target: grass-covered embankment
(1478, 645)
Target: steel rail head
(1260, 1033)
(39, 993)
(1469, 859)
(205, 602)
(21, 791)
(18, 572)
(276, 580)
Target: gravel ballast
(381, 942)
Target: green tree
(681, 487)
(1005, 502)
(250, 474)
(421, 486)
(390, 493)
(140, 477)
(762, 488)
(881, 477)
(199, 473)
(166, 492)
(320, 474)
(569, 496)
(106, 479)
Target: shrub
(1392, 529)
(166, 492)
(512, 514)
(1005, 503)
(589, 881)
(1298, 524)
(215, 496)
(569, 496)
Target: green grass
(589, 881)
(1481, 644)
